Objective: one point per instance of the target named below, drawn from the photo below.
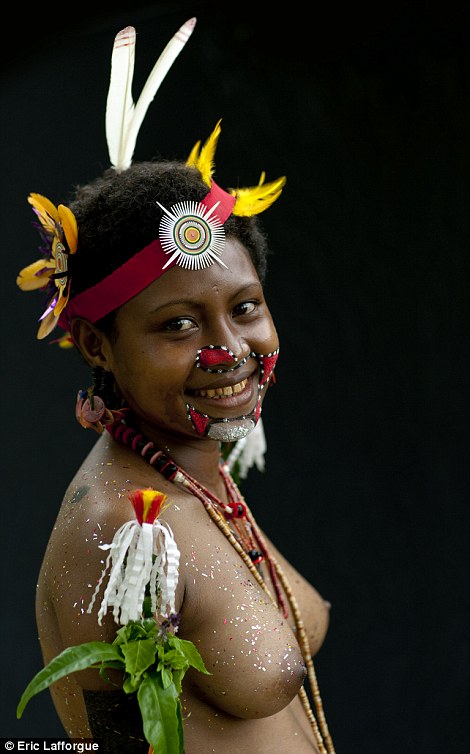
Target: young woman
(157, 277)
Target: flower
(169, 625)
(58, 227)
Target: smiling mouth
(222, 392)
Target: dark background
(366, 487)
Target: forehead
(181, 284)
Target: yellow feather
(35, 275)
(47, 211)
(47, 325)
(255, 199)
(204, 160)
(249, 201)
(65, 341)
(191, 162)
(69, 226)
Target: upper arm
(71, 569)
(72, 566)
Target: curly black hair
(118, 215)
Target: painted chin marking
(230, 431)
(224, 430)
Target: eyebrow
(174, 302)
(198, 305)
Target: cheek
(150, 374)
(265, 338)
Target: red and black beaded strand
(234, 492)
(237, 508)
(127, 435)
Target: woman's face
(161, 330)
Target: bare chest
(248, 646)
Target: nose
(218, 359)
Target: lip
(227, 379)
(237, 400)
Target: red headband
(139, 271)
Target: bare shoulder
(95, 506)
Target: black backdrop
(366, 485)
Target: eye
(247, 307)
(179, 325)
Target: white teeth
(220, 392)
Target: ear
(92, 343)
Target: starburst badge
(192, 235)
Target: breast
(250, 650)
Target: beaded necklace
(250, 544)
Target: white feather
(139, 555)
(249, 451)
(123, 118)
(120, 105)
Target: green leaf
(69, 661)
(139, 655)
(188, 649)
(178, 676)
(130, 684)
(113, 664)
(132, 631)
(175, 659)
(179, 715)
(167, 677)
(150, 626)
(161, 715)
